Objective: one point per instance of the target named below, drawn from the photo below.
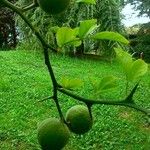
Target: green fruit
(53, 6)
(53, 134)
(78, 119)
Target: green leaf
(87, 27)
(86, 1)
(76, 31)
(124, 58)
(67, 36)
(76, 42)
(138, 69)
(107, 83)
(94, 83)
(113, 36)
(133, 69)
(54, 29)
(71, 84)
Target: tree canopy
(107, 13)
(143, 6)
(8, 31)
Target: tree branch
(105, 102)
(56, 87)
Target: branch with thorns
(127, 102)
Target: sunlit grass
(24, 81)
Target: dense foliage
(8, 31)
(107, 13)
(141, 42)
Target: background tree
(140, 44)
(140, 41)
(143, 6)
(109, 17)
(107, 12)
(8, 30)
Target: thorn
(129, 98)
(50, 97)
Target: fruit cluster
(53, 133)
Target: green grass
(24, 81)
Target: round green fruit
(53, 134)
(53, 6)
(78, 119)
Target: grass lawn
(24, 81)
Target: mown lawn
(24, 81)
